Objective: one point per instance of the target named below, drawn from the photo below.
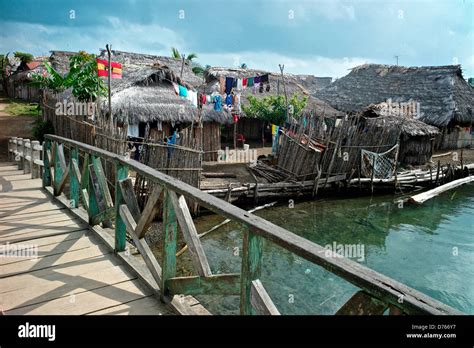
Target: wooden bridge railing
(88, 187)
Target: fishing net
(382, 163)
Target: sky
(317, 37)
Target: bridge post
(251, 269)
(26, 156)
(58, 170)
(168, 261)
(35, 155)
(74, 180)
(120, 228)
(19, 152)
(11, 148)
(46, 164)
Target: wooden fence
(88, 189)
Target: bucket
(246, 147)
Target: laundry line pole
(109, 47)
(282, 67)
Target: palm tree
(176, 55)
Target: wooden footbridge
(64, 248)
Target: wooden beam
(74, 180)
(47, 165)
(149, 212)
(121, 173)
(168, 261)
(219, 284)
(128, 196)
(190, 235)
(261, 301)
(102, 181)
(85, 182)
(423, 197)
(361, 303)
(251, 268)
(141, 244)
(96, 204)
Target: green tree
(4, 67)
(24, 57)
(176, 55)
(272, 109)
(243, 66)
(82, 78)
(471, 81)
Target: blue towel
(183, 92)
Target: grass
(18, 108)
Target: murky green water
(428, 247)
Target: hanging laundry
(235, 83)
(218, 103)
(237, 102)
(229, 100)
(244, 83)
(236, 118)
(250, 82)
(255, 87)
(192, 97)
(183, 91)
(222, 84)
(229, 82)
(208, 99)
(176, 88)
(257, 79)
(264, 78)
(239, 84)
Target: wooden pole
(182, 66)
(284, 89)
(109, 47)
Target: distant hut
(415, 137)
(19, 83)
(444, 97)
(253, 129)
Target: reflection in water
(428, 247)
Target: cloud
(39, 39)
(265, 60)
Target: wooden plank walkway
(59, 265)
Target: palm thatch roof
(313, 83)
(292, 86)
(145, 92)
(444, 95)
(409, 126)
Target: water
(428, 247)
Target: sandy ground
(12, 126)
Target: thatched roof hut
(145, 92)
(19, 83)
(409, 126)
(415, 137)
(444, 95)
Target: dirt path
(10, 126)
